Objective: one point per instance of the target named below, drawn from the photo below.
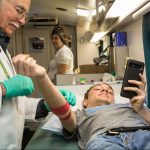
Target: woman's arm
(62, 68)
(26, 65)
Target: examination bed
(45, 139)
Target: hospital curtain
(146, 44)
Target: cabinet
(91, 68)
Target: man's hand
(138, 101)
(69, 96)
(18, 86)
(26, 65)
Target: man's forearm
(56, 100)
(50, 92)
(53, 97)
(145, 114)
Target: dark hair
(61, 33)
(87, 92)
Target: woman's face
(56, 40)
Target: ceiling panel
(47, 8)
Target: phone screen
(133, 68)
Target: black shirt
(4, 40)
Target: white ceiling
(47, 8)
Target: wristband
(61, 110)
(66, 116)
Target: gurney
(45, 139)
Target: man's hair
(61, 33)
(87, 92)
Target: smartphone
(133, 68)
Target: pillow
(78, 105)
(53, 124)
(79, 99)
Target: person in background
(63, 60)
(15, 107)
(102, 124)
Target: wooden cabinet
(91, 68)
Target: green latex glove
(69, 96)
(18, 86)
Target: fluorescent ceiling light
(97, 36)
(83, 12)
(122, 8)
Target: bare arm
(55, 99)
(145, 113)
(26, 65)
(61, 68)
(138, 101)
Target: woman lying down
(102, 124)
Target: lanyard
(4, 69)
(10, 63)
(2, 64)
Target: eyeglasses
(21, 12)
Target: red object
(61, 110)
(66, 117)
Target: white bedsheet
(79, 90)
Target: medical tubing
(18, 86)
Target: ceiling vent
(43, 21)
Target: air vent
(43, 21)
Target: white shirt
(63, 56)
(13, 112)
